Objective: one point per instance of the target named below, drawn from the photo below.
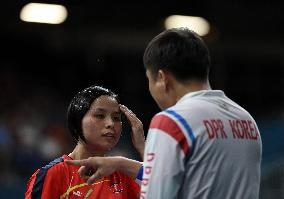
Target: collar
(208, 93)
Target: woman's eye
(99, 116)
(117, 118)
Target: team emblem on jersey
(116, 186)
(77, 193)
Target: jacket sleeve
(165, 152)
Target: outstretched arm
(95, 168)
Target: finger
(83, 171)
(126, 110)
(86, 172)
(78, 162)
(96, 176)
(129, 114)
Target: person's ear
(163, 79)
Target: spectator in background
(94, 120)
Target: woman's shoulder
(53, 166)
(51, 171)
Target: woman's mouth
(109, 135)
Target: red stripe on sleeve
(169, 126)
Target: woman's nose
(109, 122)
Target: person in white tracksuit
(202, 145)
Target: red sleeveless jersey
(61, 180)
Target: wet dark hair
(180, 51)
(80, 105)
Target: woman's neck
(81, 151)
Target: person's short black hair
(80, 105)
(180, 51)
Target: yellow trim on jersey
(78, 186)
(88, 193)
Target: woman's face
(102, 124)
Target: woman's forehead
(105, 102)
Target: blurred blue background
(42, 66)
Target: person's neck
(81, 151)
(182, 89)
